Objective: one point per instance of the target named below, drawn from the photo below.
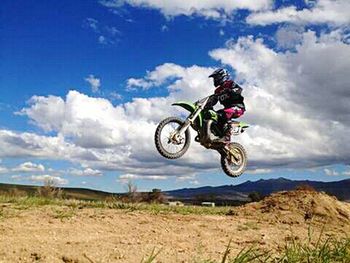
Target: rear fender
(243, 125)
(239, 127)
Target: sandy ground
(60, 234)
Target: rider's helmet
(220, 76)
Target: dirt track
(60, 234)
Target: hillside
(76, 193)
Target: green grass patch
(64, 214)
(25, 202)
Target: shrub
(132, 196)
(15, 192)
(155, 196)
(255, 196)
(49, 190)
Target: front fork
(188, 122)
(232, 154)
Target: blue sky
(72, 73)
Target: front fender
(191, 108)
(186, 105)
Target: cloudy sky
(84, 83)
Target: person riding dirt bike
(228, 93)
(213, 129)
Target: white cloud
(334, 12)
(54, 112)
(14, 144)
(45, 178)
(85, 172)
(164, 28)
(259, 171)
(127, 177)
(330, 172)
(112, 30)
(29, 167)
(115, 96)
(92, 80)
(3, 170)
(92, 24)
(289, 36)
(195, 182)
(106, 34)
(182, 83)
(346, 172)
(82, 117)
(218, 9)
(101, 40)
(187, 177)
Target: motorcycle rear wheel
(163, 145)
(234, 167)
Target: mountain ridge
(340, 189)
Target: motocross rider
(228, 93)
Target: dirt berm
(298, 206)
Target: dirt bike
(173, 138)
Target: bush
(155, 196)
(255, 196)
(49, 190)
(132, 196)
(15, 192)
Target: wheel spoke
(235, 164)
(168, 144)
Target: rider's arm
(236, 95)
(213, 99)
(236, 88)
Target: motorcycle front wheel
(234, 160)
(168, 143)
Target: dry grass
(153, 208)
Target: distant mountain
(340, 189)
(220, 195)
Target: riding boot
(227, 135)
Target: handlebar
(202, 102)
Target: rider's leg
(224, 116)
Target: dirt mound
(298, 206)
